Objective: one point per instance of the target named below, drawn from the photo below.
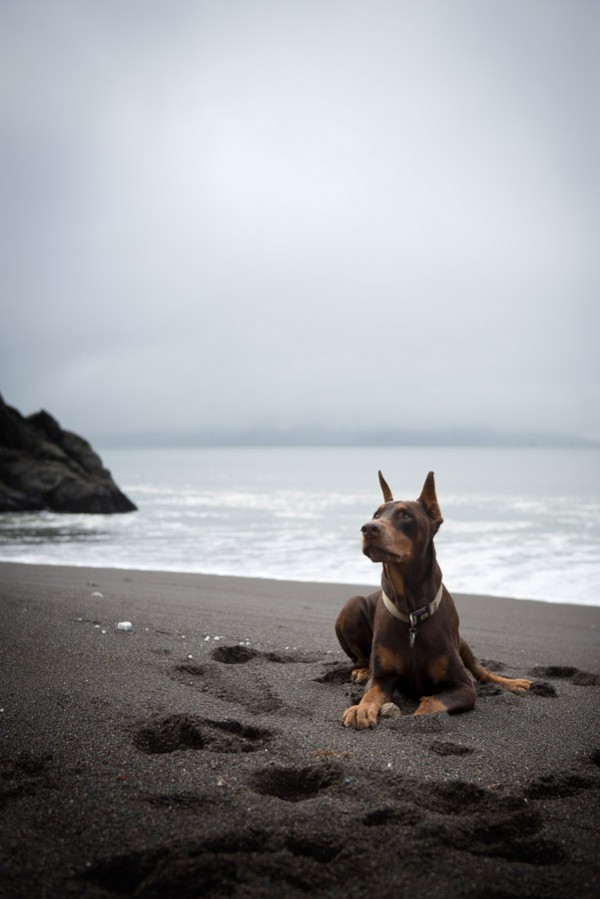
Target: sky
(288, 214)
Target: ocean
(522, 522)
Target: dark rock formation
(44, 467)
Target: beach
(201, 752)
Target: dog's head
(401, 530)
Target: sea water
(520, 522)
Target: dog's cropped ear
(387, 493)
(428, 500)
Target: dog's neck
(410, 592)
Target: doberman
(406, 634)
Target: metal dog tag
(412, 635)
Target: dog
(406, 635)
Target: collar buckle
(416, 617)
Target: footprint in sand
(446, 748)
(566, 672)
(336, 673)
(190, 732)
(296, 863)
(510, 835)
(253, 694)
(296, 784)
(218, 675)
(240, 654)
(482, 823)
(24, 775)
(403, 814)
(556, 786)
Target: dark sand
(166, 763)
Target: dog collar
(414, 618)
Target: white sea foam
(511, 528)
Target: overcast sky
(290, 213)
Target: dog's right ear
(387, 493)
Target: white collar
(420, 614)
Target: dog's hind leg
(459, 698)
(483, 676)
(354, 630)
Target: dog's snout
(370, 529)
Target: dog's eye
(405, 515)
(377, 513)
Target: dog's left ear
(428, 500)
(387, 493)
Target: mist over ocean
(519, 522)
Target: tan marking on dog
(430, 705)
(396, 578)
(516, 684)
(438, 668)
(359, 674)
(388, 660)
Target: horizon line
(300, 437)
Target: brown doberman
(405, 635)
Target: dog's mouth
(376, 554)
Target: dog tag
(412, 636)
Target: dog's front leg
(364, 715)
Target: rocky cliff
(44, 467)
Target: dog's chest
(417, 669)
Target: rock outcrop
(44, 467)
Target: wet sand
(202, 753)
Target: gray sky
(236, 213)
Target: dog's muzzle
(371, 537)
(371, 530)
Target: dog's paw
(359, 674)
(360, 717)
(519, 684)
(516, 684)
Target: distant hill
(352, 437)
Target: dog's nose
(370, 529)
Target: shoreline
(349, 585)
(202, 753)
